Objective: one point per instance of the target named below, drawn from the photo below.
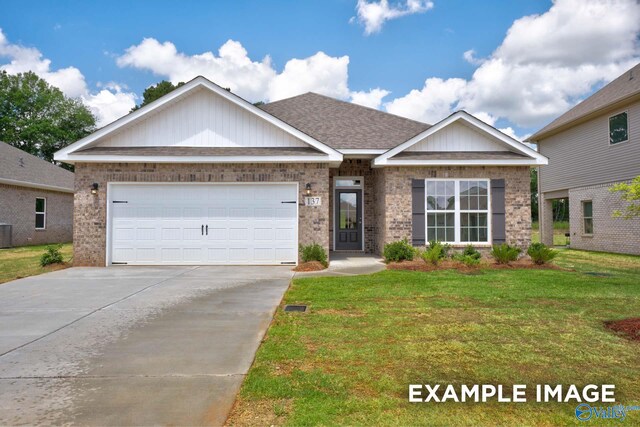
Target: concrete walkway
(132, 345)
(348, 264)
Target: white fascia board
(474, 162)
(35, 185)
(105, 158)
(462, 115)
(352, 151)
(62, 155)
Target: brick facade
(395, 184)
(18, 205)
(386, 204)
(90, 218)
(609, 234)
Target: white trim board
(534, 158)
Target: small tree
(156, 91)
(629, 192)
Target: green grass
(350, 359)
(559, 228)
(24, 261)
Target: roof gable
(344, 125)
(198, 114)
(20, 168)
(622, 89)
(459, 133)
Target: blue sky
(426, 40)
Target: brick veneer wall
(18, 207)
(90, 210)
(359, 167)
(609, 234)
(396, 182)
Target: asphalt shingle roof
(343, 125)
(625, 86)
(18, 165)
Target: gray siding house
(591, 147)
(36, 199)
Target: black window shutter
(417, 212)
(498, 228)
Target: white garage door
(203, 224)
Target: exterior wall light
(308, 189)
(94, 188)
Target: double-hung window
(618, 128)
(457, 210)
(587, 217)
(41, 213)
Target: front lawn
(350, 359)
(24, 261)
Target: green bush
(51, 256)
(472, 252)
(469, 256)
(399, 251)
(445, 248)
(313, 252)
(541, 253)
(434, 253)
(504, 254)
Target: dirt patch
(630, 328)
(259, 412)
(485, 264)
(310, 266)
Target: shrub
(504, 254)
(541, 253)
(434, 253)
(472, 252)
(313, 252)
(468, 260)
(51, 256)
(399, 251)
(445, 248)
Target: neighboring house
(36, 198)
(201, 176)
(591, 147)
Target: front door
(348, 220)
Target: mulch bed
(485, 264)
(630, 328)
(309, 266)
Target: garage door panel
(162, 224)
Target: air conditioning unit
(5, 235)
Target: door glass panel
(348, 211)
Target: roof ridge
(352, 104)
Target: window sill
(41, 229)
(587, 235)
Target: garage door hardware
(119, 201)
(118, 263)
(301, 308)
(204, 230)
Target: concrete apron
(132, 345)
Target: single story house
(36, 200)
(201, 176)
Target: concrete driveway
(132, 345)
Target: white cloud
(371, 99)
(545, 64)
(470, 57)
(233, 68)
(435, 101)
(318, 73)
(373, 15)
(108, 104)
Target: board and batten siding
(203, 119)
(582, 156)
(457, 137)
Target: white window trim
(457, 211)
(333, 213)
(44, 226)
(584, 231)
(609, 129)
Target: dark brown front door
(348, 221)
